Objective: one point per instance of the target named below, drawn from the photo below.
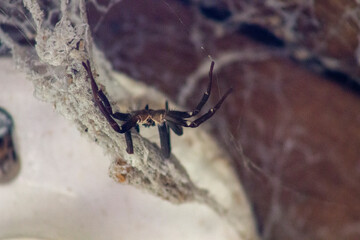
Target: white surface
(63, 190)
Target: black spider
(164, 118)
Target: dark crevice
(260, 34)
(185, 2)
(341, 78)
(344, 79)
(215, 13)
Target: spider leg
(164, 134)
(164, 139)
(129, 143)
(205, 97)
(206, 116)
(211, 112)
(105, 107)
(117, 115)
(132, 122)
(122, 117)
(103, 103)
(98, 100)
(125, 128)
(166, 111)
(101, 99)
(206, 94)
(94, 86)
(178, 130)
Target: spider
(165, 119)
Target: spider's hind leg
(117, 115)
(105, 107)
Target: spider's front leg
(176, 120)
(205, 97)
(209, 114)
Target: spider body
(150, 117)
(165, 119)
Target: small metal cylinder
(9, 164)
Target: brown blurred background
(292, 125)
(296, 106)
